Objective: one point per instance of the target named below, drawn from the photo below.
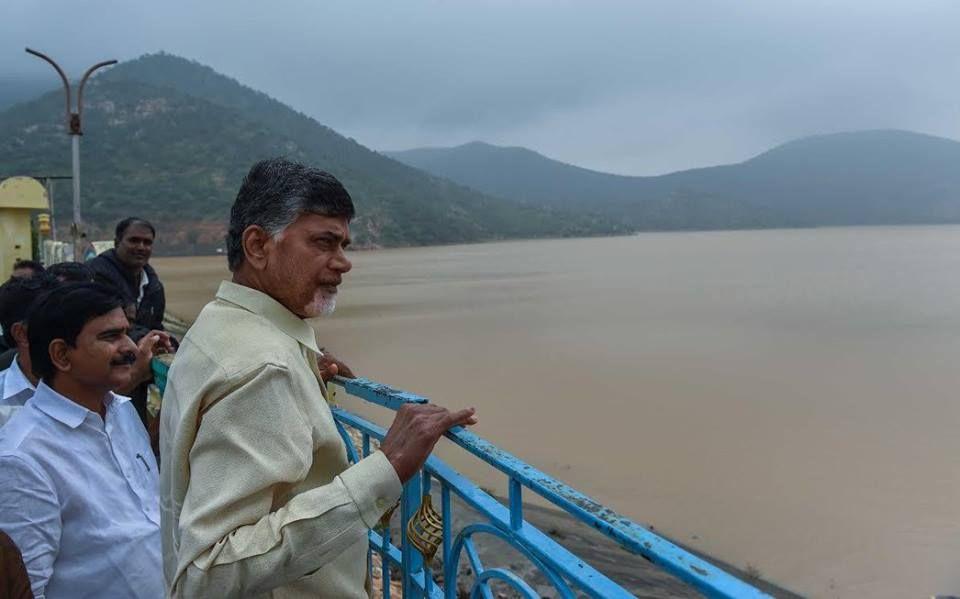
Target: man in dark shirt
(125, 268)
(22, 269)
(71, 272)
(26, 269)
(16, 297)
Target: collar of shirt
(144, 281)
(14, 381)
(65, 410)
(263, 305)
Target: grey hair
(275, 193)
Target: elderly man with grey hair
(257, 495)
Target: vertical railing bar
(385, 562)
(404, 544)
(427, 573)
(446, 512)
(347, 442)
(477, 566)
(515, 495)
(366, 444)
(412, 560)
(370, 562)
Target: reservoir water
(783, 399)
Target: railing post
(446, 511)
(412, 560)
(515, 495)
(427, 572)
(385, 562)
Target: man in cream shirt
(257, 495)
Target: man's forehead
(138, 231)
(318, 223)
(114, 319)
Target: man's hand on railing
(415, 431)
(331, 366)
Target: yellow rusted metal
(425, 529)
(43, 224)
(20, 197)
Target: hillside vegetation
(170, 140)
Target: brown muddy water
(784, 399)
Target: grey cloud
(632, 87)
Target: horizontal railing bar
(545, 548)
(378, 393)
(701, 574)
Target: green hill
(865, 177)
(170, 140)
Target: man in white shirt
(15, 390)
(78, 481)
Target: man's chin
(121, 376)
(322, 306)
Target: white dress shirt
(78, 495)
(15, 390)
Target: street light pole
(74, 127)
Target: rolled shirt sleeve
(30, 515)
(253, 450)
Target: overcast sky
(632, 87)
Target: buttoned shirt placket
(134, 474)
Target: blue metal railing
(568, 574)
(563, 570)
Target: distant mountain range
(855, 178)
(170, 140)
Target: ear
(19, 332)
(257, 245)
(59, 355)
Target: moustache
(125, 359)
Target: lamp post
(73, 126)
